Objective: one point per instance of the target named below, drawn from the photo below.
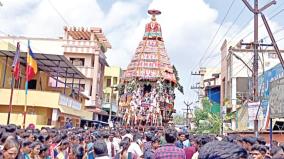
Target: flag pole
(11, 99)
(26, 88)
(15, 72)
(25, 109)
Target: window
(114, 80)
(108, 82)
(93, 61)
(82, 86)
(78, 61)
(32, 84)
(90, 93)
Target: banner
(276, 99)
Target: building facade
(236, 82)
(209, 87)
(85, 48)
(111, 96)
(45, 105)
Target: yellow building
(111, 79)
(46, 105)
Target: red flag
(16, 63)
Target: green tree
(179, 119)
(205, 121)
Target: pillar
(234, 101)
(95, 78)
(54, 117)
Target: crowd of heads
(120, 143)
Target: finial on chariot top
(154, 12)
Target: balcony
(93, 103)
(44, 99)
(80, 46)
(86, 71)
(107, 106)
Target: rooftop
(54, 65)
(81, 33)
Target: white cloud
(187, 25)
(185, 30)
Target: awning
(98, 111)
(54, 65)
(79, 113)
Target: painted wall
(111, 73)
(214, 94)
(35, 115)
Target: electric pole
(256, 11)
(200, 86)
(187, 111)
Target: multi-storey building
(85, 48)
(111, 96)
(45, 105)
(236, 81)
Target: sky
(188, 27)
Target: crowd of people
(129, 143)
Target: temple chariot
(147, 87)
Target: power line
(58, 13)
(222, 22)
(240, 30)
(213, 38)
(247, 23)
(280, 39)
(277, 31)
(279, 6)
(242, 67)
(229, 29)
(273, 16)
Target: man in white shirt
(112, 146)
(135, 147)
(116, 138)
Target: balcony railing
(107, 106)
(39, 99)
(93, 103)
(80, 46)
